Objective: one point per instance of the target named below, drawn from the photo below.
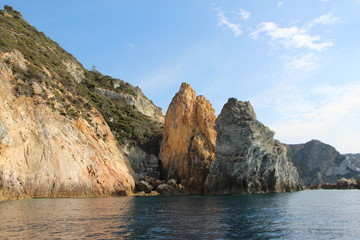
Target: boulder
(144, 186)
(165, 189)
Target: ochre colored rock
(248, 159)
(44, 154)
(187, 148)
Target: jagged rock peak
(188, 146)
(248, 159)
(239, 110)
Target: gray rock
(169, 190)
(247, 158)
(144, 165)
(139, 101)
(165, 189)
(320, 163)
(144, 186)
(3, 131)
(173, 183)
(347, 183)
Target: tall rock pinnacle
(248, 159)
(188, 146)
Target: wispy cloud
(300, 62)
(244, 14)
(290, 38)
(279, 4)
(327, 19)
(323, 112)
(230, 20)
(222, 20)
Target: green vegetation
(45, 66)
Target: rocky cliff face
(187, 148)
(137, 100)
(45, 154)
(248, 159)
(144, 164)
(320, 163)
(59, 136)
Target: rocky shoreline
(66, 131)
(342, 183)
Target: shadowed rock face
(320, 163)
(248, 159)
(188, 144)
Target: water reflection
(62, 218)
(300, 215)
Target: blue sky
(296, 61)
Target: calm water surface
(317, 214)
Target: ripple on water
(318, 214)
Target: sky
(297, 62)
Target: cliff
(320, 163)
(59, 135)
(187, 148)
(137, 100)
(248, 159)
(45, 154)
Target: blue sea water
(313, 214)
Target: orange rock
(188, 146)
(44, 154)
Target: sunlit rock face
(188, 146)
(248, 159)
(137, 100)
(46, 154)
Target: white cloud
(244, 14)
(296, 37)
(279, 4)
(324, 0)
(224, 21)
(290, 38)
(326, 112)
(327, 19)
(302, 62)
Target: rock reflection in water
(330, 214)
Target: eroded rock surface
(248, 159)
(45, 154)
(320, 163)
(137, 100)
(187, 148)
(144, 164)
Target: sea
(310, 214)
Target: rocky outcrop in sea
(188, 146)
(320, 163)
(248, 159)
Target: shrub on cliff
(48, 64)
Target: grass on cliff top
(127, 124)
